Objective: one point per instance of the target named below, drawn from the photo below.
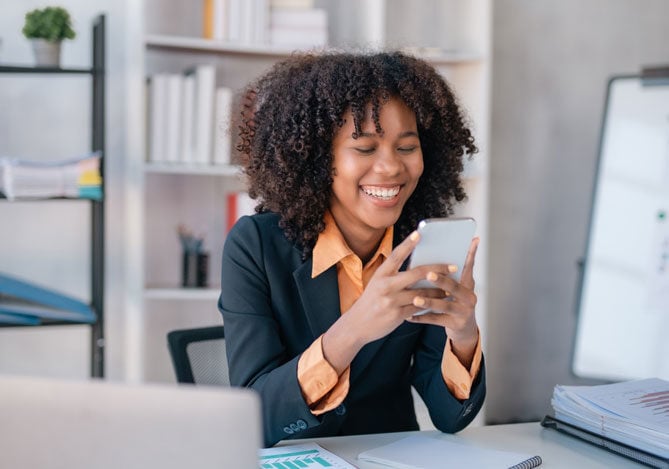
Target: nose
(388, 162)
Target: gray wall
(551, 62)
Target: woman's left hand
(455, 311)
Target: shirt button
(288, 430)
(301, 424)
(340, 410)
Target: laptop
(49, 423)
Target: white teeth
(382, 192)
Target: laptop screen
(97, 424)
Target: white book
(292, 4)
(247, 21)
(205, 83)
(261, 22)
(314, 18)
(157, 121)
(188, 119)
(220, 20)
(235, 19)
(222, 133)
(299, 38)
(173, 115)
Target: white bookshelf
(453, 35)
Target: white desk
(556, 450)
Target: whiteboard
(622, 327)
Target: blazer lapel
(320, 297)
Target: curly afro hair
(290, 115)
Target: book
(239, 204)
(205, 83)
(187, 130)
(157, 117)
(30, 302)
(222, 135)
(214, 19)
(634, 414)
(76, 178)
(173, 116)
(436, 453)
(298, 27)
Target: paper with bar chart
(632, 412)
(304, 456)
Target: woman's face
(374, 175)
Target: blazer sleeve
(448, 414)
(257, 357)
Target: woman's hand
(384, 304)
(454, 310)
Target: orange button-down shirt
(321, 387)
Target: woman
(346, 153)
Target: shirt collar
(331, 247)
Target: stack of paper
(77, 178)
(635, 413)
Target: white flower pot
(47, 54)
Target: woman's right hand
(384, 304)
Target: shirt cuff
(458, 379)
(321, 388)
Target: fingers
(400, 254)
(467, 278)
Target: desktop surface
(556, 450)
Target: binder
(613, 446)
(24, 303)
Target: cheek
(416, 167)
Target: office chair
(198, 355)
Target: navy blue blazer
(273, 310)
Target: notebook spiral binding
(534, 461)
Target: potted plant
(46, 28)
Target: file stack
(77, 178)
(634, 413)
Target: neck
(363, 243)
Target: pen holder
(194, 269)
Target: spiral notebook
(420, 451)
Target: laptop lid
(47, 423)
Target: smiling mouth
(382, 193)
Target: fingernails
(452, 268)
(432, 276)
(414, 236)
(418, 301)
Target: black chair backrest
(198, 355)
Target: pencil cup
(194, 269)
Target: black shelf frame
(97, 73)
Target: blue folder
(22, 302)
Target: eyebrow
(408, 133)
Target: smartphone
(443, 241)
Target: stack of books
(290, 23)
(189, 118)
(630, 418)
(76, 178)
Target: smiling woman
(345, 154)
